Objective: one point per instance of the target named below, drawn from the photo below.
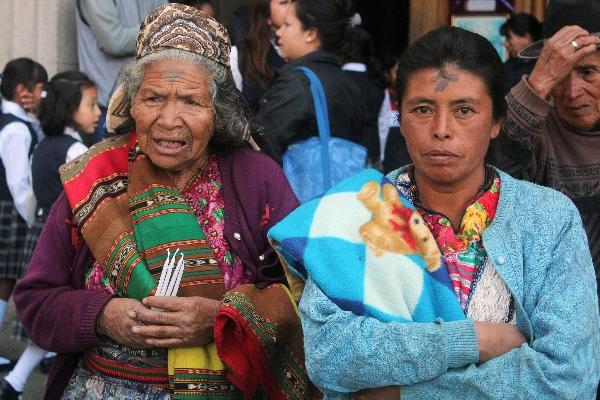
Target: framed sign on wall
(487, 25)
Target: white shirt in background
(15, 140)
(76, 148)
(234, 60)
(388, 118)
(354, 67)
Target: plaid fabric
(18, 332)
(31, 239)
(13, 232)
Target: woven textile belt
(157, 376)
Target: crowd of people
(175, 150)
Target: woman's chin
(440, 174)
(167, 163)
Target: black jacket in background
(287, 111)
(396, 153)
(373, 95)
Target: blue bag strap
(322, 114)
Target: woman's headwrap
(172, 26)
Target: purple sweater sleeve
(57, 313)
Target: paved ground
(11, 348)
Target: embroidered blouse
(206, 198)
(462, 249)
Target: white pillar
(41, 30)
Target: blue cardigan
(538, 246)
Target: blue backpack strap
(322, 115)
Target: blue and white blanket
(369, 250)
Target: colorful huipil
(462, 249)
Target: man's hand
(116, 323)
(183, 321)
(559, 56)
(496, 339)
(384, 393)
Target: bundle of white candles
(170, 277)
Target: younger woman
(68, 110)
(255, 59)
(312, 33)
(516, 255)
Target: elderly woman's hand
(183, 321)
(116, 323)
(496, 339)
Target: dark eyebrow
(418, 100)
(469, 99)
(462, 100)
(587, 66)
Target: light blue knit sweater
(538, 246)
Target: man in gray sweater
(106, 33)
(552, 132)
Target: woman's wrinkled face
(447, 120)
(294, 41)
(174, 115)
(85, 118)
(278, 9)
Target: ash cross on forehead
(444, 78)
(173, 73)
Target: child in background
(21, 87)
(69, 110)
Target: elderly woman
(179, 175)
(516, 256)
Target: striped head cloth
(176, 26)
